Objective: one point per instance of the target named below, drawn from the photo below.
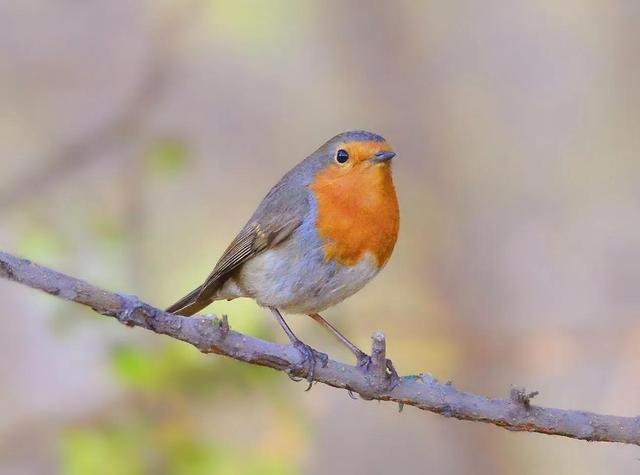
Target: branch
(212, 335)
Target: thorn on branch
(521, 396)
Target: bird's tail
(189, 304)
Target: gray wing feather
(278, 216)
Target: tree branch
(212, 335)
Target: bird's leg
(364, 360)
(309, 355)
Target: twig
(521, 396)
(378, 368)
(212, 335)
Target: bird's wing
(252, 240)
(279, 214)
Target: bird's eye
(342, 156)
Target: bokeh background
(136, 137)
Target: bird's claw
(309, 358)
(394, 379)
(364, 363)
(294, 378)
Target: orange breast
(357, 213)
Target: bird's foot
(394, 379)
(364, 363)
(309, 359)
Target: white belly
(298, 282)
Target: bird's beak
(382, 157)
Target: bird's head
(354, 151)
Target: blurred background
(137, 137)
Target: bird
(318, 237)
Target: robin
(321, 233)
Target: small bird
(321, 234)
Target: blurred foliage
(160, 430)
(254, 24)
(167, 157)
(177, 367)
(41, 242)
(138, 449)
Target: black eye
(342, 156)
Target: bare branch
(212, 335)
